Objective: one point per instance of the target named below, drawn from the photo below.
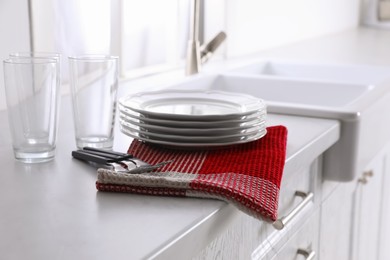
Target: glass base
(95, 142)
(34, 157)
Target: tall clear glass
(31, 54)
(94, 85)
(32, 88)
(28, 54)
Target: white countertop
(53, 210)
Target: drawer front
(298, 191)
(304, 244)
(287, 197)
(293, 207)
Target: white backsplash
(255, 25)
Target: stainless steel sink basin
(357, 96)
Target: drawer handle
(366, 176)
(283, 221)
(309, 254)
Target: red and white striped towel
(246, 175)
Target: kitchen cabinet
(354, 216)
(384, 223)
(368, 210)
(335, 224)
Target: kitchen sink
(359, 74)
(296, 93)
(357, 96)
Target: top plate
(192, 104)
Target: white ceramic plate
(194, 138)
(241, 128)
(198, 105)
(192, 145)
(242, 121)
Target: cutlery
(99, 161)
(123, 157)
(116, 161)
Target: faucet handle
(207, 50)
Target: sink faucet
(196, 54)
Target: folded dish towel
(246, 175)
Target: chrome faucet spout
(196, 54)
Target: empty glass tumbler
(94, 85)
(32, 88)
(50, 55)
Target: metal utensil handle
(108, 156)
(283, 221)
(106, 151)
(89, 157)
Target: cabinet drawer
(305, 243)
(291, 207)
(287, 197)
(295, 187)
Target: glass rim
(30, 60)
(93, 57)
(40, 54)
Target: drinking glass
(32, 88)
(34, 54)
(94, 85)
(29, 54)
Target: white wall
(54, 21)
(255, 25)
(15, 36)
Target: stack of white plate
(192, 118)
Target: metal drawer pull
(306, 253)
(283, 221)
(366, 176)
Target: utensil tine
(148, 168)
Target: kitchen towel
(246, 175)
